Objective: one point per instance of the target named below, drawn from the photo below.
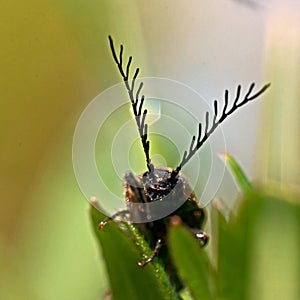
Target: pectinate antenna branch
(121, 55)
(199, 132)
(136, 101)
(141, 105)
(262, 90)
(238, 94)
(206, 123)
(226, 99)
(218, 119)
(128, 67)
(215, 111)
(192, 143)
(137, 95)
(134, 78)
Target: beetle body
(154, 186)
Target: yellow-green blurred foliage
(281, 129)
(54, 60)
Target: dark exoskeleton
(158, 183)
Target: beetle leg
(135, 196)
(202, 236)
(133, 189)
(199, 234)
(158, 245)
(114, 216)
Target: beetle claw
(158, 245)
(203, 237)
(102, 224)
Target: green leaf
(231, 261)
(127, 279)
(191, 261)
(238, 173)
(271, 224)
(258, 250)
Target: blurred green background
(55, 58)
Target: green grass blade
(232, 259)
(258, 251)
(127, 279)
(191, 261)
(272, 226)
(237, 171)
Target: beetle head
(158, 183)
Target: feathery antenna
(216, 121)
(136, 101)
